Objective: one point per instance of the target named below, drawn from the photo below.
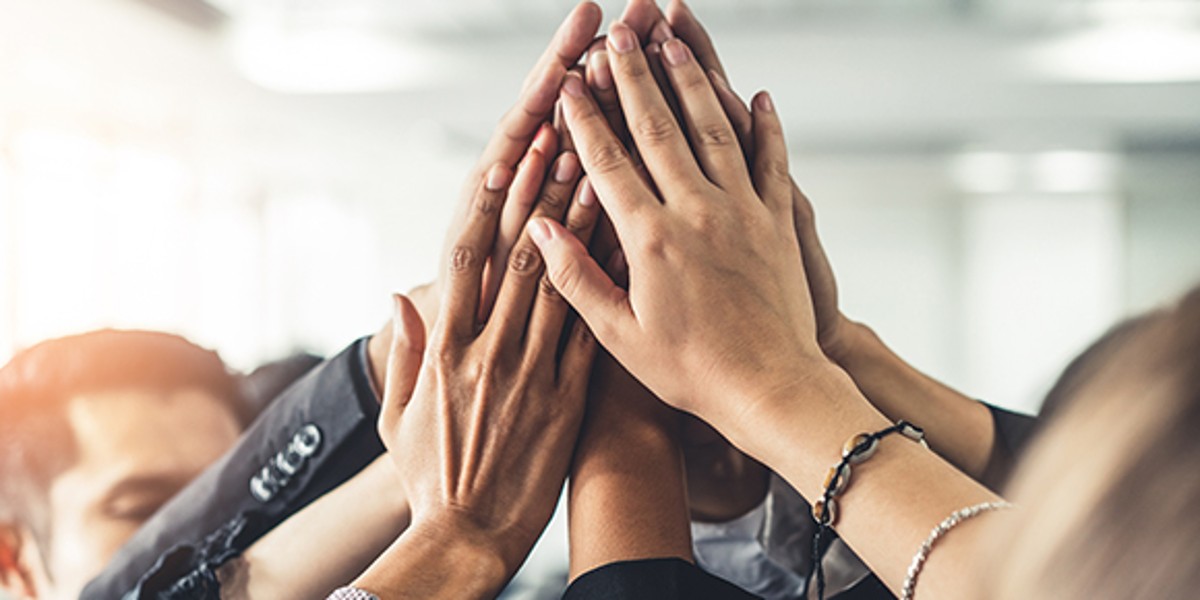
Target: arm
(716, 240)
(627, 498)
(956, 426)
(325, 544)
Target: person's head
(97, 431)
(1109, 494)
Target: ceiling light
(1133, 53)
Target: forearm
(434, 561)
(958, 428)
(627, 499)
(893, 499)
(324, 545)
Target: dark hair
(36, 443)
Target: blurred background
(997, 181)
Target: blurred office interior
(997, 181)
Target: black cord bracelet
(855, 451)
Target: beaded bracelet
(855, 451)
(918, 561)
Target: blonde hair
(1109, 494)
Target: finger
(618, 269)
(541, 89)
(515, 301)
(685, 25)
(738, 113)
(658, 136)
(550, 308)
(464, 268)
(609, 167)
(713, 138)
(654, 58)
(771, 177)
(642, 16)
(575, 367)
(404, 360)
(604, 90)
(522, 196)
(582, 282)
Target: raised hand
(717, 295)
(483, 446)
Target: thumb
(408, 347)
(603, 305)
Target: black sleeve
(317, 434)
(1013, 432)
(653, 579)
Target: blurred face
(136, 449)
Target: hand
(484, 445)
(521, 134)
(833, 328)
(522, 130)
(718, 315)
(627, 499)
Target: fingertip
(568, 167)
(540, 232)
(499, 176)
(600, 70)
(762, 101)
(572, 85)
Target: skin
(136, 449)
(714, 240)
(485, 441)
(630, 441)
(724, 483)
(956, 426)
(398, 349)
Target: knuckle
(716, 135)
(606, 158)
(656, 128)
(548, 291)
(487, 203)
(578, 224)
(524, 260)
(775, 168)
(463, 258)
(567, 278)
(552, 200)
(635, 69)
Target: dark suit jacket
(318, 433)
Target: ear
(21, 572)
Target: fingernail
(621, 38)
(573, 85)
(601, 71)
(587, 196)
(676, 53)
(719, 80)
(567, 169)
(662, 33)
(763, 102)
(539, 231)
(498, 178)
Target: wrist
(852, 341)
(441, 556)
(797, 427)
